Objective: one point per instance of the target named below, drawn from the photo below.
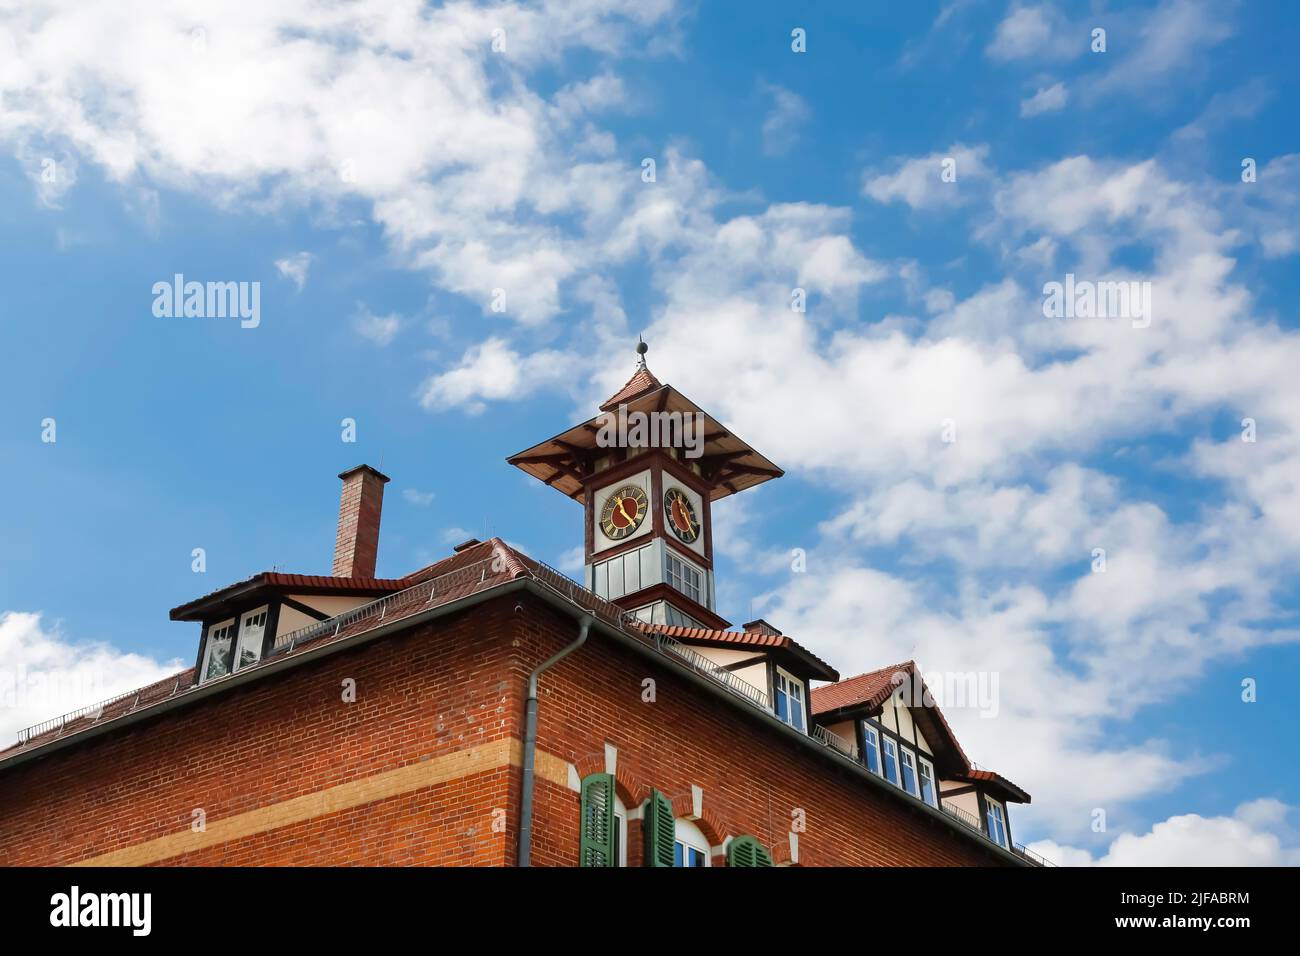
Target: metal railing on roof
(1037, 859)
(833, 740)
(964, 816)
(973, 822)
(93, 710)
(395, 606)
(702, 665)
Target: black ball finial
(641, 347)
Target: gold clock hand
(621, 510)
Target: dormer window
(929, 793)
(891, 760)
(234, 644)
(217, 654)
(996, 818)
(909, 772)
(252, 631)
(871, 737)
(789, 699)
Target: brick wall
(752, 778)
(423, 767)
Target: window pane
(219, 652)
(927, 783)
(678, 851)
(873, 749)
(909, 773)
(891, 761)
(250, 639)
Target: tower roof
(726, 461)
(640, 383)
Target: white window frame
(889, 750)
(923, 767)
(871, 738)
(907, 761)
(689, 837)
(992, 808)
(620, 831)
(790, 681)
(265, 613)
(680, 582)
(207, 648)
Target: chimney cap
(466, 545)
(760, 626)
(374, 471)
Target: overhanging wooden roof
(727, 462)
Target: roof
(470, 571)
(726, 461)
(463, 575)
(201, 607)
(819, 669)
(640, 383)
(1000, 783)
(866, 691)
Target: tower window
(684, 578)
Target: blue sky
(380, 172)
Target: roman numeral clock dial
(681, 515)
(623, 513)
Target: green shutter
(660, 830)
(596, 847)
(747, 851)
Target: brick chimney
(356, 546)
(761, 626)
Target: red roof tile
(1009, 789)
(640, 383)
(868, 690)
(704, 635)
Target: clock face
(623, 513)
(681, 515)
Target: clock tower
(647, 470)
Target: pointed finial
(641, 349)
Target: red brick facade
(423, 767)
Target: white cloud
(1046, 100)
(403, 109)
(919, 181)
(1037, 31)
(492, 370)
(421, 499)
(1256, 834)
(295, 268)
(1169, 41)
(44, 675)
(379, 329)
(784, 121)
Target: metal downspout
(530, 744)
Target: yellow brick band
(506, 752)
